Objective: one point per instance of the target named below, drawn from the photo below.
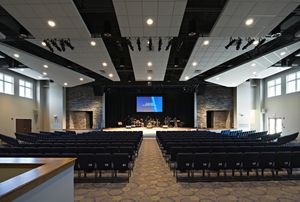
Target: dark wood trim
(19, 185)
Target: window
(275, 125)
(6, 84)
(25, 89)
(274, 87)
(293, 82)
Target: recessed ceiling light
(149, 64)
(149, 21)
(45, 66)
(255, 42)
(206, 42)
(253, 64)
(45, 73)
(194, 64)
(149, 78)
(233, 83)
(186, 78)
(51, 23)
(278, 68)
(110, 75)
(282, 53)
(249, 21)
(81, 79)
(39, 77)
(254, 72)
(44, 43)
(16, 55)
(218, 78)
(22, 70)
(104, 64)
(65, 84)
(93, 43)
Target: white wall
(59, 188)
(48, 102)
(243, 108)
(56, 106)
(13, 107)
(286, 106)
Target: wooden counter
(42, 170)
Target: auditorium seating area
(97, 153)
(211, 153)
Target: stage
(148, 132)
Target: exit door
(23, 125)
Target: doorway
(23, 125)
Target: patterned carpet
(153, 181)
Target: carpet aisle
(152, 180)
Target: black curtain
(122, 106)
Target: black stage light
(130, 44)
(68, 43)
(54, 43)
(250, 41)
(159, 44)
(138, 42)
(48, 45)
(150, 44)
(232, 41)
(62, 45)
(238, 43)
(261, 42)
(169, 44)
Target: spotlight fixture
(159, 44)
(149, 64)
(54, 43)
(261, 42)
(169, 44)
(250, 41)
(130, 44)
(65, 84)
(255, 42)
(238, 43)
(62, 45)
(48, 45)
(44, 43)
(138, 43)
(81, 79)
(150, 44)
(68, 43)
(16, 55)
(232, 41)
(110, 75)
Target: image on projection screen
(149, 103)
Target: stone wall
(215, 98)
(82, 98)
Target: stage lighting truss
(149, 43)
(249, 41)
(58, 44)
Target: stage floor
(147, 132)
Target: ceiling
(179, 30)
